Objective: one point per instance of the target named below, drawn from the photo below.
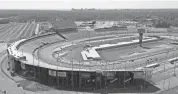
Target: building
(63, 25)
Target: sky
(78, 4)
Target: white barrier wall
(37, 29)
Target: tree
(162, 24)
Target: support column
(80, 80)
(98, 80)
(42, 75)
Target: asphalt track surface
(44, 53)
(31, 45)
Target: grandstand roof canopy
(63, 24)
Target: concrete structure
(37, 29)
(23, 57)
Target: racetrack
(43, 49)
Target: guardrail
(35, 37)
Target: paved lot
(15, 31)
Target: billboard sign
(23, 66)
(138, 75)
(85, 75)
(61, 74)
(52, 73)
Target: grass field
(125, 52)
(132, 51)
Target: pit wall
(35, 37)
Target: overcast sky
(77, 4)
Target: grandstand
(47, 69)
(57, 58)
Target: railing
(35, 37)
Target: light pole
(22, 52)
(164, 74)
(33, 66)
(175, 68)
(79, 76)
(72, 75)
(147, 62)
(88, 35)
(57, 59)
(101, 75)
(106, 85)
(124, 72)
